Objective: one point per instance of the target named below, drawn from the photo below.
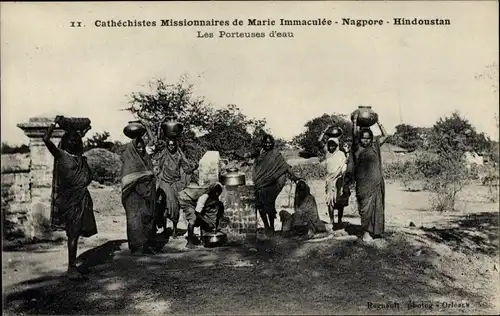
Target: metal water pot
(172, 128)
(134, 129)
(233, 177)
(334, 132)
(366, 117)
(213, 238)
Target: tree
(408, 137)
(450, 138)
(308, 140)
(205, 128)
(98, 140)
(101, 140)
(232, 130)
(455, 134)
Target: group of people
(152, 195)
(359, 163)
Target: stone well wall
(239, 221)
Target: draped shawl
(72, 206)
(370, 187)
(269, 167)
(306, 210)
(136, 169)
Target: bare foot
(148, 251)
(83, 270)
(190, 245)
(268, 232)
(367, 237)
(195, 241)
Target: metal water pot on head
(365, 115)
(334, 132)
(134, 129)
(171, 128)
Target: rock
(412, 224)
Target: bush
(308, 140)
(310, 171)
(105, 165)
(393, 170)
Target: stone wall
(16, 196)
(27, 183)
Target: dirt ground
(445, 263)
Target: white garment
(201, 203)
(336, 166)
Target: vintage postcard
(250, 157)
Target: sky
(408, 74)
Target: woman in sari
(171, 181)
(305, 220)
(138, 196)
(202, 208)
(269, 176)
(365, 169)
(336, 165)
(72, 206)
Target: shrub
(310, 171)
(451, 177)
(104, 164)
(393, 170)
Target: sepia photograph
(250, 158)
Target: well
(239, 221)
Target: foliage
(105, 165)
(310, 171)
(493, 154)
(447, 173)
(456, 134)
(101, 140)
(232, 130)
(408, 137)
(8, 149)
(308, 140)
(205, 128)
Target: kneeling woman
(306, 219)
(202, 208)
(138, 196)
